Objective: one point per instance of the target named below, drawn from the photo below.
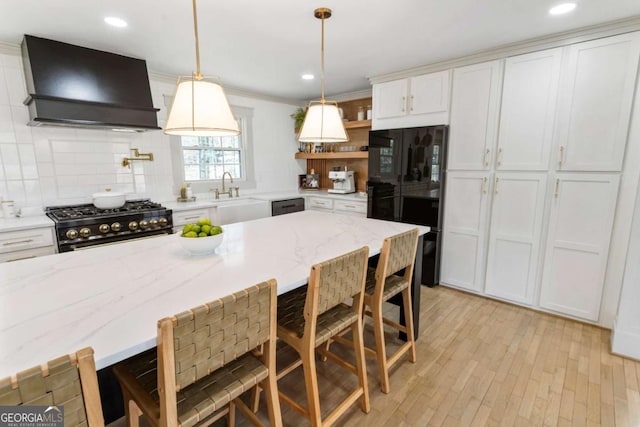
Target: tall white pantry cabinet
(537, 145)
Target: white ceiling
(265, 46)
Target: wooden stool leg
(408, 319)
(131, 410)
(232, 415)
(361, 364)
(311, 384)
(270, 386)
(255, 398)
(381, 350)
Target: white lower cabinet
(465, 230)
(345, 207)
(582, 212)
(23, 244)
(516, 231)
(182, 218)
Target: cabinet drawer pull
(495, 189)
(411, 103)
(555, 194)
(483, 187)
(192, 217)
(499, 159)
(17, 242)
(349, 206)
(486, 158)
(404, 103)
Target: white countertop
(111, 297)
(25, 223)
(270, 197)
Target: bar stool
(309, 317)
(68, 381)
(204, 362)
(398, 253)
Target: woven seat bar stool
(204, 362)
(308, 317)
(69, 381)
(398, 253)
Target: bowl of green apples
(201, 237)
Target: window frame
(204, 186)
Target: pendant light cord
(321, 61)
(195, 29)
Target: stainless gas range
(83, 226)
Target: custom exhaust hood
(80, 87)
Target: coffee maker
(343, 182)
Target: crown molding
(550, 41)
(9, 48)
(350, 96)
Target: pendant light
(322, 123)
(200, 106)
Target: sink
(230, 211)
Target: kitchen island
(111, 297)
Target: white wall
(41, 166)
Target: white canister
(8, 209)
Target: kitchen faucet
(230, 181)
(224, 190)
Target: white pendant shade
(200, 108)
(322, 123)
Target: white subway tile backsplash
(33, 194)
(15, 192)
(46, 169)
(7, 133)
(10, 61)
(4, 94)
(15, 86)
(43, 150)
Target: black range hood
(76, 86)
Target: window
(203, 160)
(208, 158)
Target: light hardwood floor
(482, 362)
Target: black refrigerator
(406, 184)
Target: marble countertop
(111, 297)
(269, 197)
(25, 223)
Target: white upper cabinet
(429, 93)
(582, 212)
(516, 233)
(474, 111)
(414, 101)
(465, 230)
(528, 109)
(390, 99)
(595, 104)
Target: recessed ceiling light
(307, 77)
(562, 8)
(116, 22)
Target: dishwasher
(281, 207)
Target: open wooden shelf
(338, 155)
(357, 124)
